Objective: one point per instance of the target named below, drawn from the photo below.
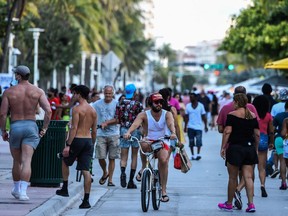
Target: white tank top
(156, 129)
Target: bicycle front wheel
(156, 191)
(145, 190)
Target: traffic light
(206, 66)
(231, 67)
(216, 72)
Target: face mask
(14, 82)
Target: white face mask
(14, 82)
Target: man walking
(194, 115)
(80, 143)
(22, 100)
(107, 134)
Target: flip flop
(110, 184)
(138, 177)
(165, 198)
(103, 179)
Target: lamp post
(67, 74)
(36, 34)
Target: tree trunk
(6, 39)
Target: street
(195, 193)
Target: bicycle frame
(150, 179)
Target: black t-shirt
(242, 130)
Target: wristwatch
(67, 144)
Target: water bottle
(59, 155)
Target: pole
(92, 70)
(36, 34)
(83, 57)
(99, 59)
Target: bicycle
(150, 178)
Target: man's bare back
(87, 118)
(22, 101)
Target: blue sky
(187, 22)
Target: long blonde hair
(242, 100)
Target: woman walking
(242, 134)
(266, 142)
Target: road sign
(111, 61)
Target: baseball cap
(129, 90)
(156, 97)
(283, 94)
(22, 70)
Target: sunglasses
(158, 102)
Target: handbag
(185, 162)
(177, 161)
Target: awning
(280, 64)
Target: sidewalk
(9, 206)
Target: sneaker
(275, 173)
(198, 157)
(23, 197)
(238, 201)
(131, 185)
(16, 194)
(193, 158)
(263, 192)
(123, 180)
(85, 204)
(283, 186)
(269, 170)
(251, 208)
(62, 192)
(225, 206)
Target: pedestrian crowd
(101, 123)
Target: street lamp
(36, 34)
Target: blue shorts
(124, 143)
(192, 134)
(24, 132)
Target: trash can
(46, 167)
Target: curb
(58, 204)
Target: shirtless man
(80, 142)
(22, 100)
(155, 123)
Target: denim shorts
(124, 143)
(194, 134)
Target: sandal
(165, 198)
(103, 179)
(110, 184)
(138, 177)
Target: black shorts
(239, 155)
(82, 150)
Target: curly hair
(262, 105)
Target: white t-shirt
(195, 116)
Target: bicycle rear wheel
(145, 190)
(156, 191)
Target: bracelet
(67, 144)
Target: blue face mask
(14, 82)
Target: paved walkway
(9, 206)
